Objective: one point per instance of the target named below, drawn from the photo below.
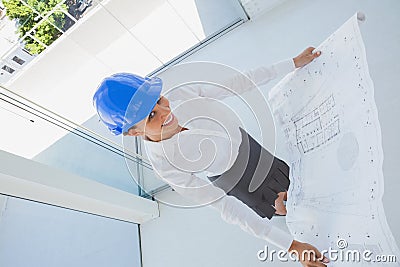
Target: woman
(133, 106)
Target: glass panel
(72, 9)
(140, 168)
(60, 19)
(205, 17)
(76, 8)
(32, 46)
(46, 33)
(43, 7)
(25, 17)
(83, 6)
(88, 157)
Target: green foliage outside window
(27, 19)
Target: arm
(248, 80)
(232, 210)
(238, 83)
(242, 82)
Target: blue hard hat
(124, 99)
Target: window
(8, 69)
(20, 61)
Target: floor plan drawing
(318, 126)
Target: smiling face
(160, 124)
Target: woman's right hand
(306, 57)
(308, 255)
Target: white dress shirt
(211, 146)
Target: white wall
(38, 235)
(199, 237)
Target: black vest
(256, 177)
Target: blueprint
(328, 115)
